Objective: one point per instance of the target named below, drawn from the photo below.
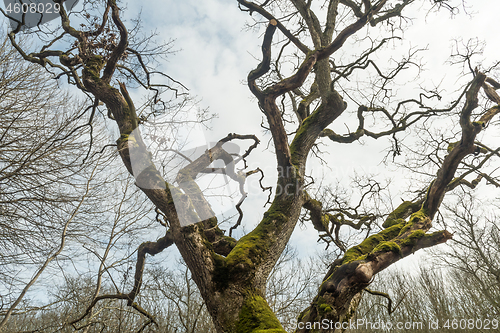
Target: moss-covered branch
(252, 249)
(403, 211)
(349, 275)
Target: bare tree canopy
(321, 63)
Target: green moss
(365, 247)
(360, 251)
(276, 215)
(363, 257)
(251, 248)
(387, 247)
(256, 316)
(412, 239)
(300, 136)
(324, 308)
(325, 219)
(124, 137)
(416, 217)
(406, 228)
(304, 313)
(327, 132)
(417, 234)
(400, 212)
(389, 222)
(93, 67)
(451, 145)
(230, 240)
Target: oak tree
(300, 105)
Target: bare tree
(93, 257)
(180, 306)
(40, 150)
(56, 194)
(292, 284)
(473, 258)
(299, 104)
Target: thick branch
(264, 65)
(119, 50)
(312, 126)
(312, 21)
(267, 98)
(466, 146)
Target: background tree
(299, 104)
(58, 203)
(40, 150)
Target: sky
(216, 52)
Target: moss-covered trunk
(239, 279)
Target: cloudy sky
(216, 52)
